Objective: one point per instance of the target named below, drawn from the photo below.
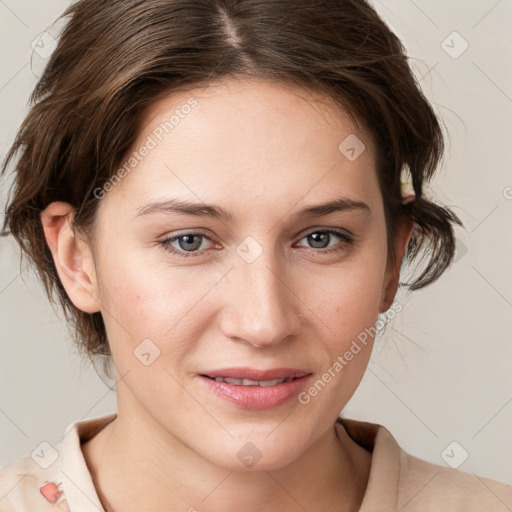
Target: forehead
(247, 136)
(242, 101)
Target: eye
(190, 244)
(187, 244)
(320, 239)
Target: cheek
(140, 288)
(349, 309)
(349, 306)
(147, 300)
(348, 298)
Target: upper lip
(254, 374)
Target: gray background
(442, 370)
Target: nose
(262, 308)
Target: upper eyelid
(337, 231)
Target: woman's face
(265, 285)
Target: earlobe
(72, 256)
(392, 279)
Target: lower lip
(256, 397)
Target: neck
(163, 474)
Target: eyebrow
(170, 206)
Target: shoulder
(427, 486)
(33, 483)
(401, 481)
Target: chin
(258, 454)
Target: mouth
(255, 389)
(254, 377)
(248, 382)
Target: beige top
(57, 478)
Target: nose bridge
(262, 309)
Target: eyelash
(186, 254)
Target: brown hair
(115, 58)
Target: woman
(222, 198)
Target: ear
(72, 256)
(403, 234)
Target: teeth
(247, 382)
(274, 382)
